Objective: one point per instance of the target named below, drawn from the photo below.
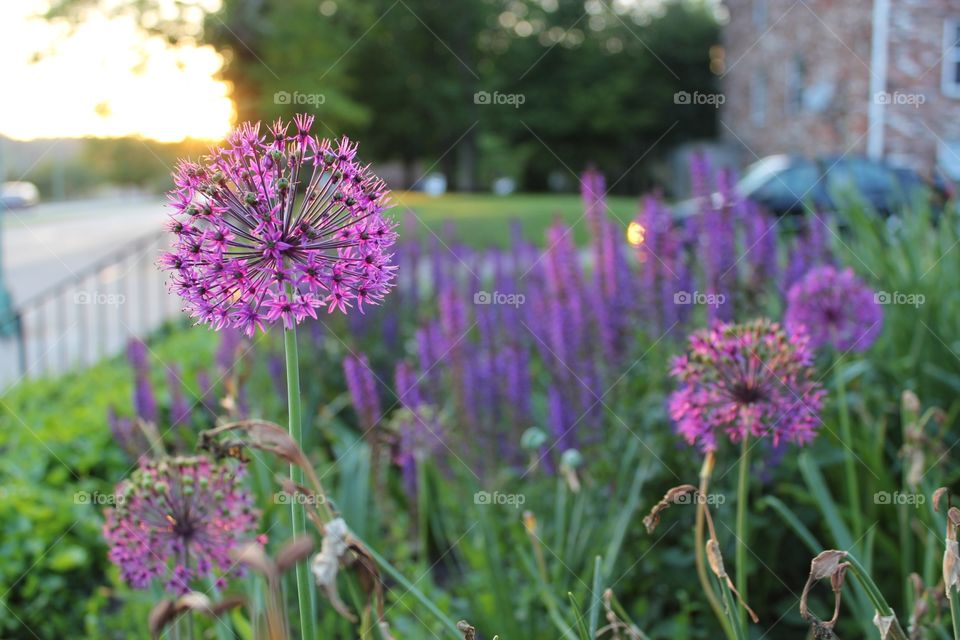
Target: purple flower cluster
(271, 227)
(362, 385)
(743, 379)
(834, 307)
(177, 519)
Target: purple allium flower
(362, 385)
(178, 519)
(249, 251)
(834, 308)
(746, 378)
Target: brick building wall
(797, 79)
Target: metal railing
(89, 315)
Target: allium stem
(743, 491)
(849, 463)
(706, 471)
(305, 602)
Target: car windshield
(760, 172)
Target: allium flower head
(834, 308)
(178, 519)
(746, 379)
(272, 226)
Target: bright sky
(99, 83)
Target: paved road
(93, 316)
(46, 244)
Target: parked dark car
(785, 184)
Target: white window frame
(951, 58)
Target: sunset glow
(104, 80)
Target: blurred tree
(596, 79)
(598, 86)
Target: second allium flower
(272, 226)
(744, 379)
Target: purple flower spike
(362, 385)
(746, 378)
(834, 308)
(272, 227)
(177, 520)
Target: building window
(760, 14)
(758, 100)
(951, 58)
(796, 75)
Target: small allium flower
(746, 378)
(834, 308)
(271, 227)
(178, 519)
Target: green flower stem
(876, 596)
(412, 589)
(743, 493)
(305, 601)
(731, 609)
(952, 596)
(850, 465)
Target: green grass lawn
(483, 220)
